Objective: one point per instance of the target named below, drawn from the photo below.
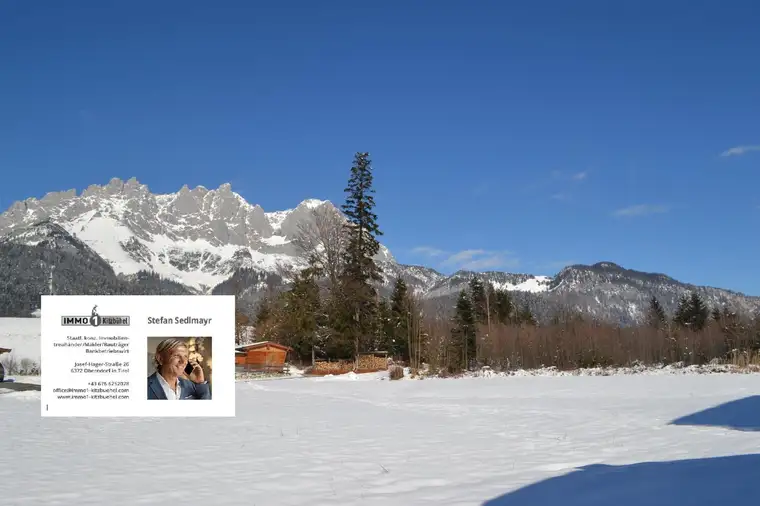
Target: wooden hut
(261, 356)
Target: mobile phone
(189, 368)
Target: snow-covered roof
(259, 344)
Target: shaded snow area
(626, 440)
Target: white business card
(117, 355)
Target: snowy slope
(528, 441)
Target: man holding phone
(176, 378)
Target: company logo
(94, 320)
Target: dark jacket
(190, 390)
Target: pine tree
(360, 269)
(692, 312)
(699, 312)
(302, 313)
(362, 225)
(502, 307)
(478, 298)
(656, 314)
(400, 320)
(263, 312)
(266, 320)
(338, 341)
(463, 331)
(683, 311)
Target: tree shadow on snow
(741, 414)
(697, 482)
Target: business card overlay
(121, 355)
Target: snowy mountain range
(200, 240)
(196, 237)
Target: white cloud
(463, 256)
(480, 260)
(470, 259)
(580, 176)
(428, 251)
(740, 150)
(642, 210)
(491, 262)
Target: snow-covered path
(444, 442)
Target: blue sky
(504, 136)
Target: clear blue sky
(503, 136)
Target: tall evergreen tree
(501, 305)
(463, 331)
(692, 312)
(699, 312)
(655, 314)
(339, 341)
(363, 230)
(683, 311)
(263, 311)
(302, 316)
(360, 270)
(478, 298)
(266, 321)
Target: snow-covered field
(22, 335)
(541, 440)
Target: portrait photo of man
(176, 376)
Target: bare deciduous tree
(322, 240)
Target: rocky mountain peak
(135, 229)
(609, 266)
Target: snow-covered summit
(195, 236)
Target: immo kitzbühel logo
(94, 320)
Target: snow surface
(569, 440)
(313, 203)
(534, 285)
(275, 240)
(105, 236)
(275, 218)
(22, 336)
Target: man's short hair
(166, 346)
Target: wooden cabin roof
(262, 344)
